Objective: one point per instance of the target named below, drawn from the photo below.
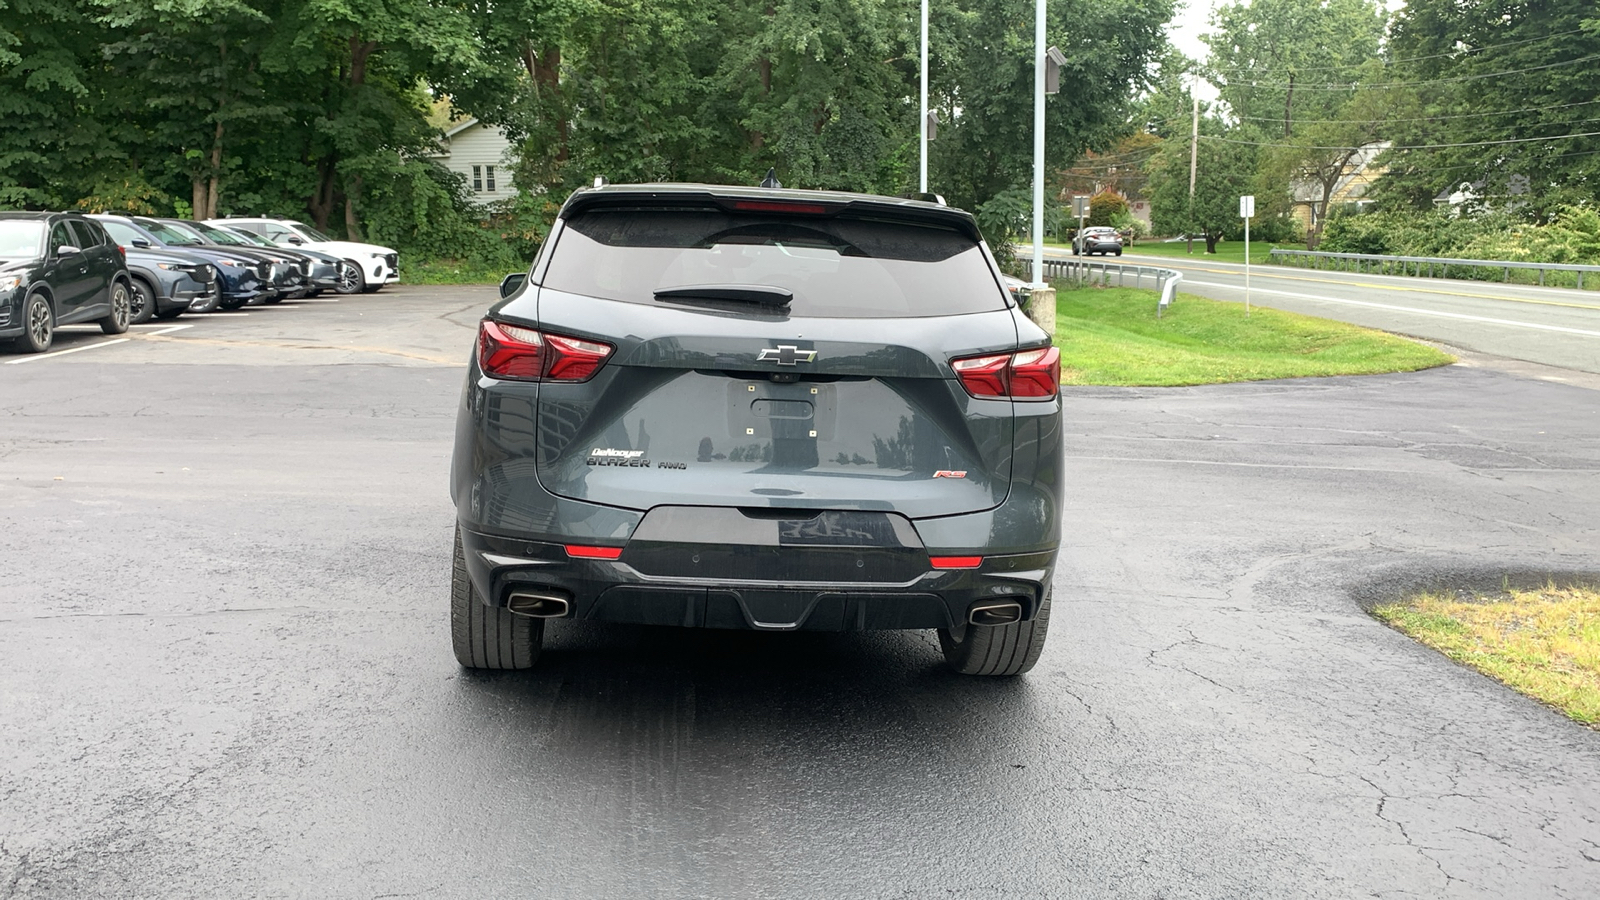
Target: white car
(371, 266)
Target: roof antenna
(771, 181)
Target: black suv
(765, 409)
(58, 269)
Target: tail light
(1024, 375)
(526, 354)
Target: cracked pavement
(224, 558)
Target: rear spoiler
(827, 204)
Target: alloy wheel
(41, 325)
(121, 308)
(350, 280)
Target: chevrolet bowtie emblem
(786, 355)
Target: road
(224, 557)
(1551, 326)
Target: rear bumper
(616, 591)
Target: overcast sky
(1187, 25)
(1192, 16)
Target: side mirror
(67, 250)
(512, 283)
(296, 241)
(141, 243)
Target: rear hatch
(718, 394)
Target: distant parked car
(374, 266)
(165, 283)
(286, 273)
(59, 269)
(1099, 239)
(326, 270)
(240, 278)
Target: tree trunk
(360, 51)
(1211, 241)
(322, 202)
(352, 222)
(197, 196)
(545, 69)
(214, 187)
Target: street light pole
(1038, 141)
(1194, 157)
(924, 180)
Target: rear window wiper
(760, 294)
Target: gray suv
(754, 408)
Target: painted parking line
(27, 359)
(160, 329)
(1436, 313)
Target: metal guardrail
(1386, 265)
(1086, 271)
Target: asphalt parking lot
(224, 560)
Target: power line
(1392, 170)
(1553, 137)
(1456, 54)
(1352, 85)
(1477, 115)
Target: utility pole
(1038, 141)
(1194, 159)
(924, 180)
(1287, 100)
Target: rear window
(836, 268)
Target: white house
(479, 153)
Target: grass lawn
(1544, 643)
(1112, 336)
(1227, 251)
(451, 271)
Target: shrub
(1105, 207)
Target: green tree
(1278, 61)
(1493, 74)
(50, 77)
(1224, 173)
(983, 86)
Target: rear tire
(116, 321)
(998, 649)
(484, 636)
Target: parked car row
(65, 268)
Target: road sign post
(1247, 209)
(1080, 209)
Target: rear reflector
(955, 562)
(1024, 375)
(526, 354)
(813, 209)
(578, 551)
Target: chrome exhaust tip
(1002, 612)
(538, 606)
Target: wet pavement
(224, 562)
